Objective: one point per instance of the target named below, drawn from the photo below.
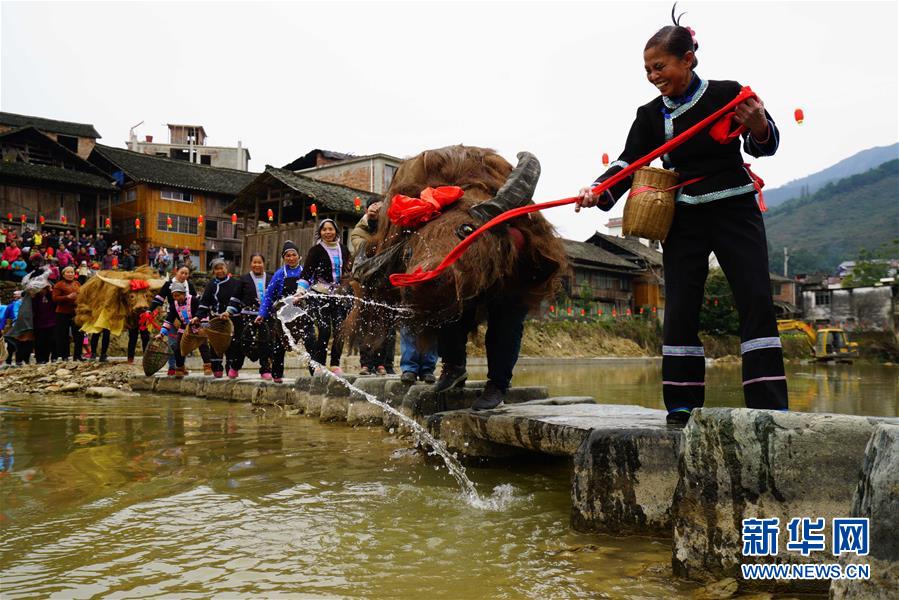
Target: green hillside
(834, 223)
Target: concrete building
(373, 173)
(188, 143)
(862, 308)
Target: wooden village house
(178, 204)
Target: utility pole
(786, 261)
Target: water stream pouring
(289, 312)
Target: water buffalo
(114, 300)
(515, 265)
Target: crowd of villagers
(315, 278)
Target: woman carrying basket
(715, 211)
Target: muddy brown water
(181, 497)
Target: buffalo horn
(517, 191)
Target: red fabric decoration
(420, 276)
(139, 284)
(405, 211)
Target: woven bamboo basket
(219, 333)
(191, 341)
(156, 355)
(648, 213)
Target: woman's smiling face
(671, 75)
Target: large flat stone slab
(876, 498)
(742, 463)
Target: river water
(181, 497)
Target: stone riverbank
(633, 474)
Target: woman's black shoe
(450, 376)
(678, 417)
(491, 398)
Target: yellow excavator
(829, 343)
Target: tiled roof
(590, 253)
(308, 160)
(175, 173)
(22, 170)
(635, 247)
(50, 125)
(329, 196)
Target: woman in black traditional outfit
(718, 213)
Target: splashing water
(502, 494)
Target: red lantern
(63, 219)
(23, 219)
(357, 203)
(108, 222)
(641, 310)
(9, 216)
(313, 209)
(83, 222)
(41, 219)
(599, 312)
(614, 312)
(653, 309)
(168, 222)
(582, 312)
(799, 116)
(115, 262)
(137, 224)
(605, 159)
(628, 312)
(716, 301)
(569, 311)
(271, 215)
(234, 218)
(552, 308)
(200, 221)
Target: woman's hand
(751, 113)
(586, 198)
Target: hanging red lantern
(582, 312)
(628, 312)
(41, 219)
(9, 216)
(552, 308)
(83, 222)
(23, 219)
(599, 312)
(653, 310)
(569, 311)
(137, 224)
(614, 312)
(357, 203)
(799, 116)
(200, 221)
(115, 262)
(63, 219)
(605, 159)
(168, 222)
(271, 215)
(641, 310)
(234, 218)
(313, 209)
(108, 222)
(716, 301)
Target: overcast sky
(562, 80)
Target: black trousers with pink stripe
(733, 229)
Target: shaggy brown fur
(104, 306)
(491, 266)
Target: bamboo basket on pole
(649, 210)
